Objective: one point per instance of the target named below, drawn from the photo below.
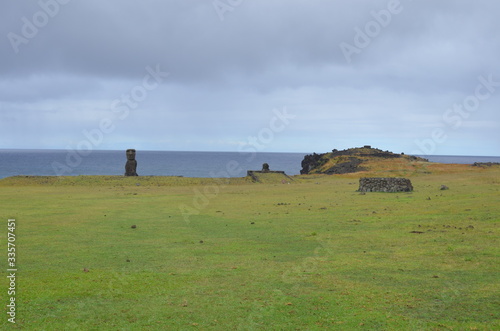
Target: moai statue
(265, 167)
(131, 166)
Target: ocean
(165, 163)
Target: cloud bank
(409, 76)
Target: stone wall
(381, 184)
(485, 164)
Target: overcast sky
(419, 76)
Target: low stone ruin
(485, 164)
(384, 184)
(254, 174)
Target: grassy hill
(360, 159)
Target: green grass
(310, 255)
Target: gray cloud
(226, 77)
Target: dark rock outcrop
(310, 162)
(346, 167)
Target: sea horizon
(242, 152)
(60, 162)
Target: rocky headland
(350, 160)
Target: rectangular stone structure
(384, 184)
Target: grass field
(309, 253)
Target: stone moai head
(265, 167)
(130, 154)
(131, 165)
